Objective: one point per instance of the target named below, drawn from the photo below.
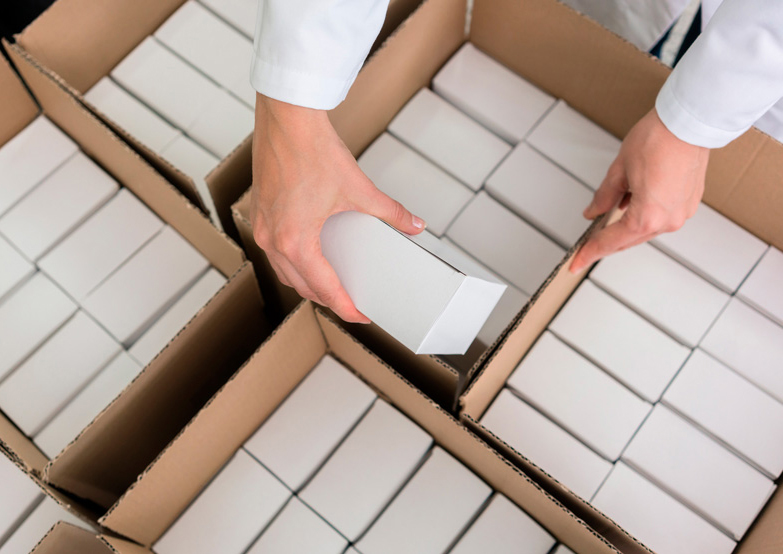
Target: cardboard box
(64, 537)
(19, 496)
(222, 125)
(367, 470)
(27, 535)
(733, 410)
(449, 138)
(57, 206)
(16, 268)
(619, 341)
(668, 294)
(492, 94)
(240, 13)
(761, 289)
(562, 550)
(304, 431)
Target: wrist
(290, 116)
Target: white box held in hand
(449, 138)
(223, 124)
(430, 512)
(418, 289)
(306, 428)
(762, 288)
(239, 13)
(367, 470)
(19, 494)
(37, 524)
(16, 268)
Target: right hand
(302, 174)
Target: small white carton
(222, 125)
(506, 244)
(542, 193)
(620, 341)
(431, 511)
(655, 518)
(665, 292)
(449, 138)
(367, 470)
(576, 144)
(733, 410)
(16, 268)
(229, 513)
(57, 206)
(135, 295)
(239, 13)
(491, 93)
(762, 287)
(305, 429)
(37, 524)
(19, 496)
(418, 289)
(545, 444)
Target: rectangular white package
(492, 94)
(364, 473)
(19, 495)
(502, 528)
(67, 424)
(418, 289)
(306, 428)
(239, 13)
(222, 125)
(505, 243)
(101, 244)
(28, 317)
(37, 524)
(698, 471)
(545, 444)
(762, 288)
(229, 513)
(449, 138)
(668, 294)
(16, 268)
(31, 155)
(57, 206)
(655, 518)
(576, 144)
(430, 512)
(145, 286)
(620, 341)
(733, 410)
(542, 193)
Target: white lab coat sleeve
(729, 78)
(308, 52)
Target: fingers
(392, 212)
(609, 194)
(612, 238)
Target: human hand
(657, 178)
(302, 174)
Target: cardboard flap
(19, 447)
(229, 180)
(64, 538)
(18, 108)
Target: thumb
(392, 212)
(609, 194)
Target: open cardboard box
(64, 538)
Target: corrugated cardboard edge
(18, 108)
(64, 538)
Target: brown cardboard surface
(228, 181)
(64, 538)
(18, 108)
(19, 447)
(766, 535)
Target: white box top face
(666, 293)
(733, 410)
(19, 493)
(576, 144)
(545, 444)
(655, 518)
(37, 524)
(240, 13)
(762, 287)
(229, 513)
(222, 125)
(306, 428)
(16, 268)
(617, 339)
(31, 155)
(449, 138)
(190, 157)
(430, 512)
(492, 94)
(57, 206)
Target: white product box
(581, 398)
(668, 294)
(562, 549)
(305, 429)
(505, 243)
(19, 496)
(229, 513)
(502, 528)
(16, 268)
(367, 470)
(57, 206)
(418, 289)
(733, 410)
(492, 94)
(545, 444)
(620, 341)
(222, 125)
(576, 144)
(78, 414)
(412, 180)
(37, 524)
(698, 471)
(655, 518)
(240, 13)
(299, 530)
(542, 193)
(430, 512)
(39, 388)
(101, 244)
(31, 155)
(449, 138)
(145, 286)
(750, 344)
(762, 287)
(28, 317)
(131, 114)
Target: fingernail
(419, 223)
